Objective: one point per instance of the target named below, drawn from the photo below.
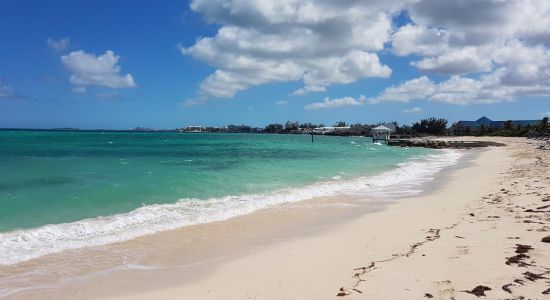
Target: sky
(169, 64)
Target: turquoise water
(56, 177)
(64, 190)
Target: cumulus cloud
(336, 102)
(492, 50)
(463, 61)
(309, 89)
(410, 39)
(58, 45)
(318, 42)
(281, 102)
(459, 90)
(484, 51)
(415, 89)
(412, 110)
(89, 69)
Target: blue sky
(167, 64)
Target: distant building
(195, 129)
(472, 127)
(330, 129)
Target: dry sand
(442, 244)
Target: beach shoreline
(203, 243)
(357, 253)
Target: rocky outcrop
(440, 144)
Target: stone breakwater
(441, 144)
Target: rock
(546, 239)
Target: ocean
(65, 190)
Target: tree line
(428, 126)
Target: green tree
(482, 129)
(508, 126)
(340, 124)
(437, 126)
(274, 128)
(543, 125)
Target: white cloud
(318, 42)
(486, 50)
(458, 90)
(412, 110)
(336, 102)
(499, 49)
(89, 69)
(309, 89)
(463, 61)
(58, 45)
(545, 114)
(281, 102)
(411, 39)
(7, 92)
(415, 89)
(484, 21)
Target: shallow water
(66, 190)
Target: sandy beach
(476, 233)
(441, 245)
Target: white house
(193, 128)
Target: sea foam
(22, 245)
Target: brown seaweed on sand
(479, 290)
(533, 277)
(342, 292)
(518, 259)
(507, 288)
(523, 248)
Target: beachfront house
(381, 133)
(484, 125)
(194, 128)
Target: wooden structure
(381, 133)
